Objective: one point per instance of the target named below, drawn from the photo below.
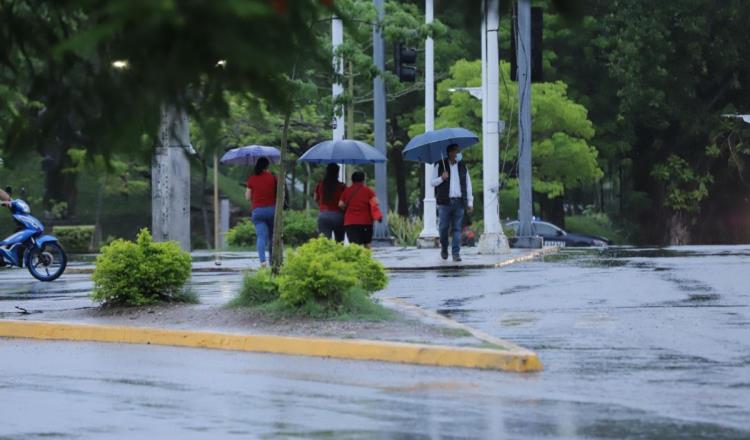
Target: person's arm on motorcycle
(4, 198)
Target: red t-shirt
(358, 208)
(333, 204)
(263, 189)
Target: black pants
(359, 234)
(331, 222)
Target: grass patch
(456, 332)
(356, 305)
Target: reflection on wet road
(662, 332)
(643, 343)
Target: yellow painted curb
(397, 352)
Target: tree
(61, 56)
(562, 158)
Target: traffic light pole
(526, 237)
(381, 231)
(428, 238)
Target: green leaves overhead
(562, 159)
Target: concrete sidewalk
(393, 258)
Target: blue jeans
(451, 218)
(263, 221)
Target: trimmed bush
(141, 272)
(405, 230)
(299, 228)
(257, 288)
(75, 239)
(322, 271)
(242, 235)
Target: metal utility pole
(492, 241)
(170, 179)
(339, 129)
(381, 231)
(526, 237)
(428, 238)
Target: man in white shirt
(454, 195)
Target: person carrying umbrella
(453, 192)
(261, 192)
(327, 195)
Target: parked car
(557, 236)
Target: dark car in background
(554, 235)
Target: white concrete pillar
(428, 238)
(492, 241)
(339, 127)
(170, 179)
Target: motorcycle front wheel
(46, 263)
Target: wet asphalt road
(636, 344)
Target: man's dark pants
(451, 218)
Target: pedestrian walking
(327, 195)
(360, 208)
(261, 192)
(454, 196)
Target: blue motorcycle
(41, 254)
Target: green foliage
(141, 272)
(322, 271)
(356, 304)
(242, 235)
(563, 158)
(299, 227)
(257, 288)
(75, 239)
(596, 223)
(405, 230)
(685, 187)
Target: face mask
(459, 157)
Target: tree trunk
(679, 230)
(60, 184)
(96, 240)
(277, 258)
(397, 161)
(204, 209)
(307, 187)
(552, 209)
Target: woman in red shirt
(327, 194)
(261, 191)
(355, 201)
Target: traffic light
(405, 60)
(537, 25)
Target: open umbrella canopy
(250, 154)
(347, 151)
(431, 147)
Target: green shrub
(322, 271)
(257, 288)
(75, 239)
(595, 223)
(405, 230)
(242, 235)
(299, 227)
(141, 272)
(371, 273)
